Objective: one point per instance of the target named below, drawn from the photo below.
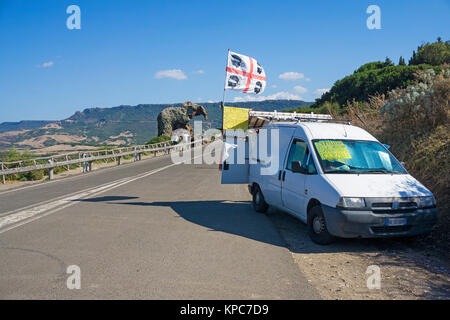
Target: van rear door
(235, 164)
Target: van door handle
(284, 175)
(279, 175)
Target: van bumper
(366, 224)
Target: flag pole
(222, 106)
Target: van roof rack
(257, 119)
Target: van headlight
(427, 202)
(351, 202)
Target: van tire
(317, 227)
(259, 204)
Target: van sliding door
(277, 148)
(235, 167)
(293, 185)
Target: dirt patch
(8, 137)
(338, 271)
(13, 133)
(115, 142)
(126, 134)
(59, 148)
(53, 125)
(39, 142)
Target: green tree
(413, 58)
(434, 54)
(388, 62)
(401, 61)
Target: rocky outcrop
(173, 118)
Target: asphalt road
(149, 230)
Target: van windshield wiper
(340, 171)
(376, 171)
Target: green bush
(12, 155)
(326, 108)
(371, 79)
(158, 139)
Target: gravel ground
(338, 271)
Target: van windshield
(355, 156)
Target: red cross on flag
(244, 73)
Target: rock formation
(173, 118)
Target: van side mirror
(386, 146)
(297, 167)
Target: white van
(338, 179)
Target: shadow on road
(234, 217)
(238, 217)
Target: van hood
(377, 185)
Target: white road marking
(57, 198)
(24, 216)
(28, 213)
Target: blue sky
(48, 71)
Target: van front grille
(387, 207)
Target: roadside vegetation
(158, 139)
(12, 155)
(27, 158)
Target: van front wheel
(317, 227)
(259, 204)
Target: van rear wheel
(317, 227)
(259, 204)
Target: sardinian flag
(244, 73)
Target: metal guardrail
(67, 159)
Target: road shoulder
(338, 271)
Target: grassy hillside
(370, 79)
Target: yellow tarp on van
(235, 118)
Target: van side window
(297, 152)
(311, 166)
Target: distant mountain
(122, 125)
(23, 125)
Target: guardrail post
(118, 160)
(140, 156)
(85, 164)
(3, 176)
(50, 170)
(90, 166)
